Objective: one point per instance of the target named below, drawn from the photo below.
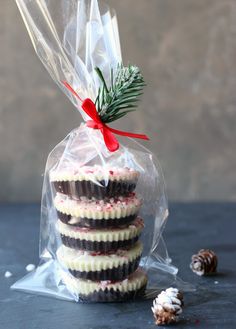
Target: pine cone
(167, 306)
(205, 262)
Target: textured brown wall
(187, 51)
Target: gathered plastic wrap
(90, 234)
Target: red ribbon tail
(110, 140)
(68, 86)
(128, 134)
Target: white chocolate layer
(134, 282)
(94, 173)
(105, 235)
(98, 209)
(85, 261)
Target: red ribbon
(96, 123)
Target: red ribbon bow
(96, 123)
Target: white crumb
(216, 282)
(8, 274)
(30, 267)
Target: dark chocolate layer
(89, 189)
(111, 295)
(98, 245)
(97, 223)
(115, 274)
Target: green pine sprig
(121, 97)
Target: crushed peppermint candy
(100, 205)
(105, 283)
(97, 172)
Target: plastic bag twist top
(71, 38)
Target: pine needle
(121, 98)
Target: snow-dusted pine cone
(167, 306)
(205, 262)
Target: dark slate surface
(190, 228)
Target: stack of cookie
(99, 227)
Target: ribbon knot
(96, 123)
